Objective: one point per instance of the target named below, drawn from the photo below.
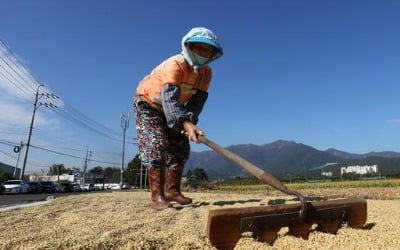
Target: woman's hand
(192, 131)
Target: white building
(54, 178)
(328, 174)
(357, 169)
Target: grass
(319, 185)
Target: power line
(31, 163)
(82, 123)
(92, 123)
(12, 130)
(2, 141)
(8, 143)
(9, 155)
(27, 75)
(79, 119)
(72, 156)
(13, 144)
(16, 73)
(66, 148)
(72, 118)
(20, 70)
(76, 115)
(18, 87)
(55, 152)
(89, 120)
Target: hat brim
(205, 41)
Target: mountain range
(283, 158)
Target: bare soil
(124, 220)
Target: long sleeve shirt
(177, 113)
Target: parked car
(16, 186)
(76, 187)
(100, 186)
(67, 187)
(88, 187)
(35, 187)
(115, 186)
(59, 188)
(48, 186)
(2, 189)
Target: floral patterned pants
(159, 146)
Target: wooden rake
(225, 226)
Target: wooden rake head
(225, 226)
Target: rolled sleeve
(195, 105)
(175, 113)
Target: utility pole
(88, 155)
(143, 178)
(18, 150)
(35, 107)
(141, 174)
(124, 126)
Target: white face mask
(199, 60)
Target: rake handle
(257, 172)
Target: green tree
(108, 173)
(75, 170)
(97, 171)
(197, 174)
(4, 176)
(132, 172)
(105, 175)
(116, 175)
(196, 178)
(97, 174)
(58, 169)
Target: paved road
(18, 199)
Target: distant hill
(278, 158)
(342, 154)
(284, 158)
(347, 156)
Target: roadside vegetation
(248, 185)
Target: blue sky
(323, 73)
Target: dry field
(123, 220)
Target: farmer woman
(168, 103)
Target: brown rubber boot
(172, 190)
(156, 182)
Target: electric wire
(6, 142)
(18, 87)
(80, 122)
(79, 118)
(89, 120)
(72, 118)
(8, 154)
(20, 73)
(79, 115)
(27, 75)
(13, 75)
(73, 156)
(10, 143)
